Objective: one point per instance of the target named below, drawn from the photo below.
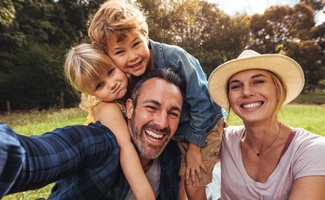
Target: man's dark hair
(164, 73)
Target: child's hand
(194, 164)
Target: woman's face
(252, 95)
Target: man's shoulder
(171, 150)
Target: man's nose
(161, 120)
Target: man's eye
(151, 108)
(174, 115)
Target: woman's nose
(248, 91)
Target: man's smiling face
(154, 120)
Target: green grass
(37, 122)
(316, 98)
(309, 117)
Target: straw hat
(283, 66)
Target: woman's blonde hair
(85, 62)
(116, 18)
(281, 91)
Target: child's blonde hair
(115, 18)
(85, 62)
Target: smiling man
(84, 160)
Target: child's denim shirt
(199, 113)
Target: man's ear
(129, 108)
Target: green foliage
(7, 12)
(32, 52)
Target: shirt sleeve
(308, 161)
(11, 158)
(199, 111)
(64, 152)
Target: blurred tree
(158, 15)
(7, 12)
(291, 31)
(309, 55)
(316, 5)
(221, 37)
(280, 25)
(32, 50)
(199, 27)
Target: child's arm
(110, 115)
(194, 164)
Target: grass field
(309, 117)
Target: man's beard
(146, 150)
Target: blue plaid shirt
(84, 160)
(11, 158)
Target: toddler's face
(131, 55)
(111, 85)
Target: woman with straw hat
(264, 158)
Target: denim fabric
(199, 113)
(84, 160)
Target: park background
(35, 35)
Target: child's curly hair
(116, 17)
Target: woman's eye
(258, 82)
(234, 86)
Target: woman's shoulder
(307, 138)
(306, 153)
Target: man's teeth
(157, 136)
(252, 105)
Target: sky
(251, 7)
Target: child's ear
(129, 108)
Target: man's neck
(146, 164)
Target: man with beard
(84, 160)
